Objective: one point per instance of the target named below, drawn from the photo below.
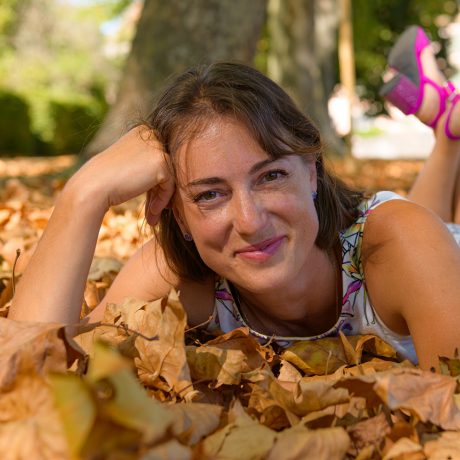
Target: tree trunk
(302, 56)
(171, 36)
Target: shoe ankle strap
(450, 90)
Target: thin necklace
(337, 289)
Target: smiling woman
(252, 229)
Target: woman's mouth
(262, 251)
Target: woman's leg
(456, 212)
(438, 185)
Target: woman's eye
(205, 196)
(273, 175)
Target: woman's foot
(431, 102)
(449, 124)
(417, 86)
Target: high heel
(454, 100)
(406, 89)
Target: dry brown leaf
(446, 446)
(30, 427)
(242, 438)
(289, 375)
(228, 359)
(212, 363)
(111, 329)
(317, 357)
(29, 348)
(308, 396)
(102, 266)
(326, 356)
(405, 449)
(152, 333)
(240, 339)
(170, 450)
(361, 386)
(262, 405)
(373, 366)
(373, 345)
(368, 432)
(6, 291)
(450, 366)
(123, 400)
(298, 443)
(193, 421)
(162, 360)
(427, 395)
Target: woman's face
(252, 218)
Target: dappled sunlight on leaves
(141, 385)
(145, 394)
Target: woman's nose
(249, 214)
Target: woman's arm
(52, 286)
(412, 271)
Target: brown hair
(280, 128)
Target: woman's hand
(135, 164)
(52, 286)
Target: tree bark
(302, 56)
(171, 36)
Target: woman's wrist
(83, 196)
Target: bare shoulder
(401, 221)
(146, 276)
(411, 268)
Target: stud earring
(188, 237)
(314, 195)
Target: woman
(254, 230)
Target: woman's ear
(178, 215)
(313, 176)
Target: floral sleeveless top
(357, 314)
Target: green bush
(15, 133)
(75, 122)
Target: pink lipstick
(262, 251)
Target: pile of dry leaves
(142, 385)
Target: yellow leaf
(212, 363)
(325, 356)
(123, 400)
(29, 422)
(299, 443)
(76, 408)
(317, 357)
(228, 358)
(106, 362)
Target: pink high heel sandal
(405, 89)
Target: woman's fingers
(158, 199)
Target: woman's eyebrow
(218, 180)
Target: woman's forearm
(52, 286)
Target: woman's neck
(307, 306)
